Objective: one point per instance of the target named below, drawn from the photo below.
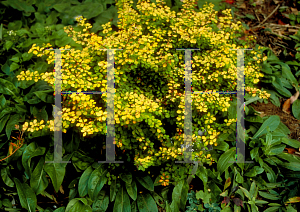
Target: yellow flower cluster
(255, 92)
(149, 40)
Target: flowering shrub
(149, 80)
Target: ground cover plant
(98, 184)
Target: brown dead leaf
(286, 106)
(243, 6)
(61, 189)
(290, 150)
(294, 11)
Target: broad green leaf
(6, 179)
(280, 89)
(26, 195)
(272, 209)
(269, 196)
(288, 157)
(14, 66)
(78, 204)
(113, 190)
(8, 44)
(223, 161)
(203, 195)
(71, 145)
(31, 151)
(60, 209)
(274, 150)
(131, 189)
(202, 174)
(83, 182)
(56, 171)
(291, 142)
(62, 7)
(38, 180)
(146, 203)
(294, 166)
(146, 181)
(26, 56)
(247, 194)
(254, 153)
(126, 177)
(96, 182)
(101, 203)
(270, 173)
(252, 189)
(10, 126)
(273, 122)
(222, 146)
(296, 109)
(3, 121)
(122, 202)
(179, 194)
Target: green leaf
(254, 171)
(272, 209)
(291, 142)
(179, 194)
(223, 161)
(294, 166)
(78, 204)
(26, 195)
(270, 173)
(96, 182)
(38, 180)
(113, 190)
(203, 195)
(296, 109)
(101, 203)
(247, 194)
(269, 196)
(254, 153)
(146, 203)
(202, 174)
(83, 182)
(14, 119)
(45, 96)
(275, 150)
(63, 41)
(62, 7)
(224, 146)
(126, 177)
(6, 179)
(26, 56)
(122, 202)
(14, 66)
(273, 122)
(131, 189)
(56, 171)
(250, 16)
(280, 89)
(146, 181)
(3, 122)
(31, 151)
(8, 44)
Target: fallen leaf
(61, 189)
(294, 11)
(290, 150)
(281, 22)
(294, 97)
(286, 106)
